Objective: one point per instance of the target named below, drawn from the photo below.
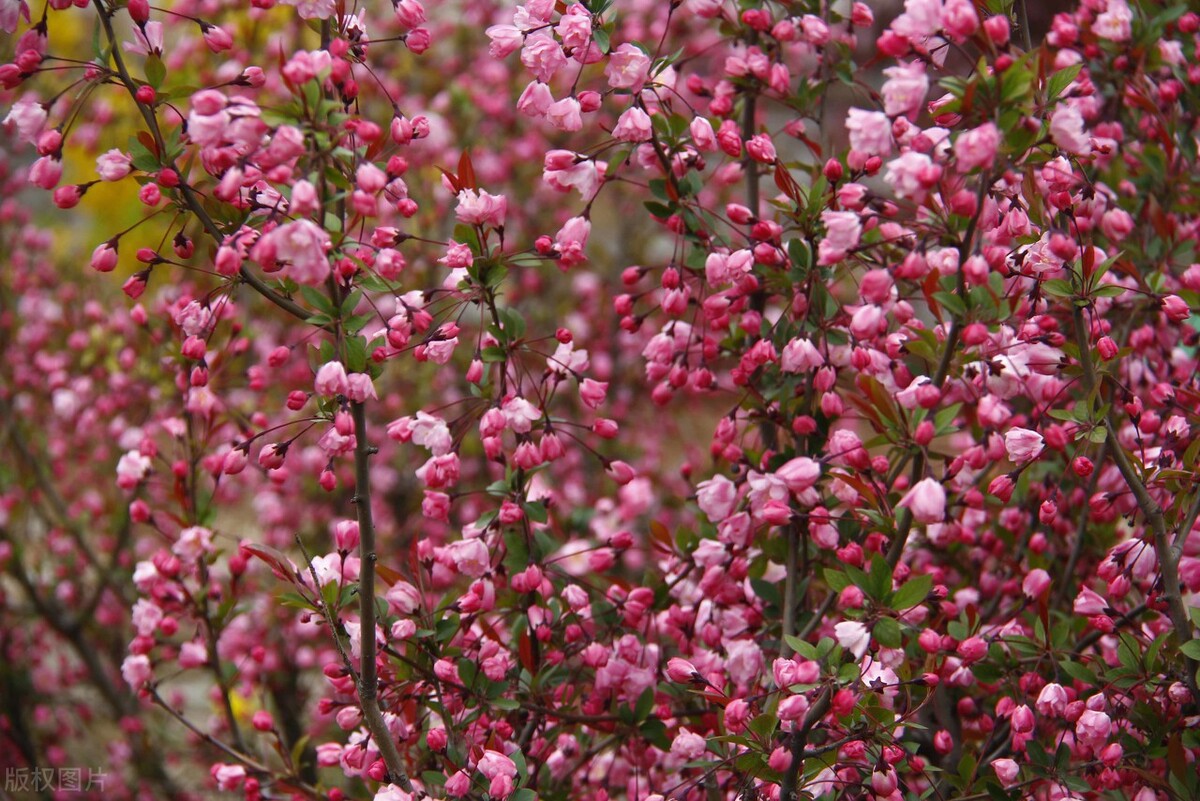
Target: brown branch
(368, 683)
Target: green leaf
(1060, 80)
(1079, 672)
(912, 593)
(601, 38)
(1059, 288)
(879, 583)
(836, 579)
(1191, 649)
(156, 71)
(887, 632)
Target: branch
(368, 683)
(189, 194)
(1168, 560)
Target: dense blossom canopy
(615, 399)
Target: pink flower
(494, 763)
(593, 392)
(853, 636)
(1176, 308)
(113, 165)
(301, 245)
(470, 557)
(331, 380)
(972, 649)
(681, 671)
(633, 126)
(688, 746)
(565, 114)
(1022, 444)
(1006, 771)
(1116, 22)
(1067, 130)
(1052, 700)
(570, 241)
(761, 148)
(793, 707)
(304, 66)
(228, 777)
(543, 56)
(193, 543)
(628, 68)
(1035, 583)
(481, 208)
(506, 39)
(28, 116)
(458, 785)
(870, 132)
(959, 19)
(1090, 603)
(132, 469)
(136, 670)
(716, 497)
(908, 174)
(1093, 727)
(799, 474)
(843, 230)
(390, 792)
(312, 9)
(800, 355)
(905, 89)
(702, 134)
(926, 500)
(977, 147)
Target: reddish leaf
(280, 565)
(525, 652)
(466, 171)
(453, 179)
(148, 142)
(387, 574)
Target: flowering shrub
(387, 476)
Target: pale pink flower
(716, 497)
(633, 126)
(926, 500)
(312, 9)
(470, 557)
(302, 246)
(1022, 444)
(506, 39)
(800, 355)
(494, 763)
(906, 174)
(905, 89)
(870, 132)
(977, 147)
(853, 636)
(1052, 700)
(1115, 23)
(628, 68)
(1093, 727)
(543, 56)
(565, 114)
(113, 165)
(843, 230)
(136, 670)
(481, 208)
(1006, 771)
(28, 116)
(331, 380)
(688, 746)
(570, 241)
(1067, 129)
